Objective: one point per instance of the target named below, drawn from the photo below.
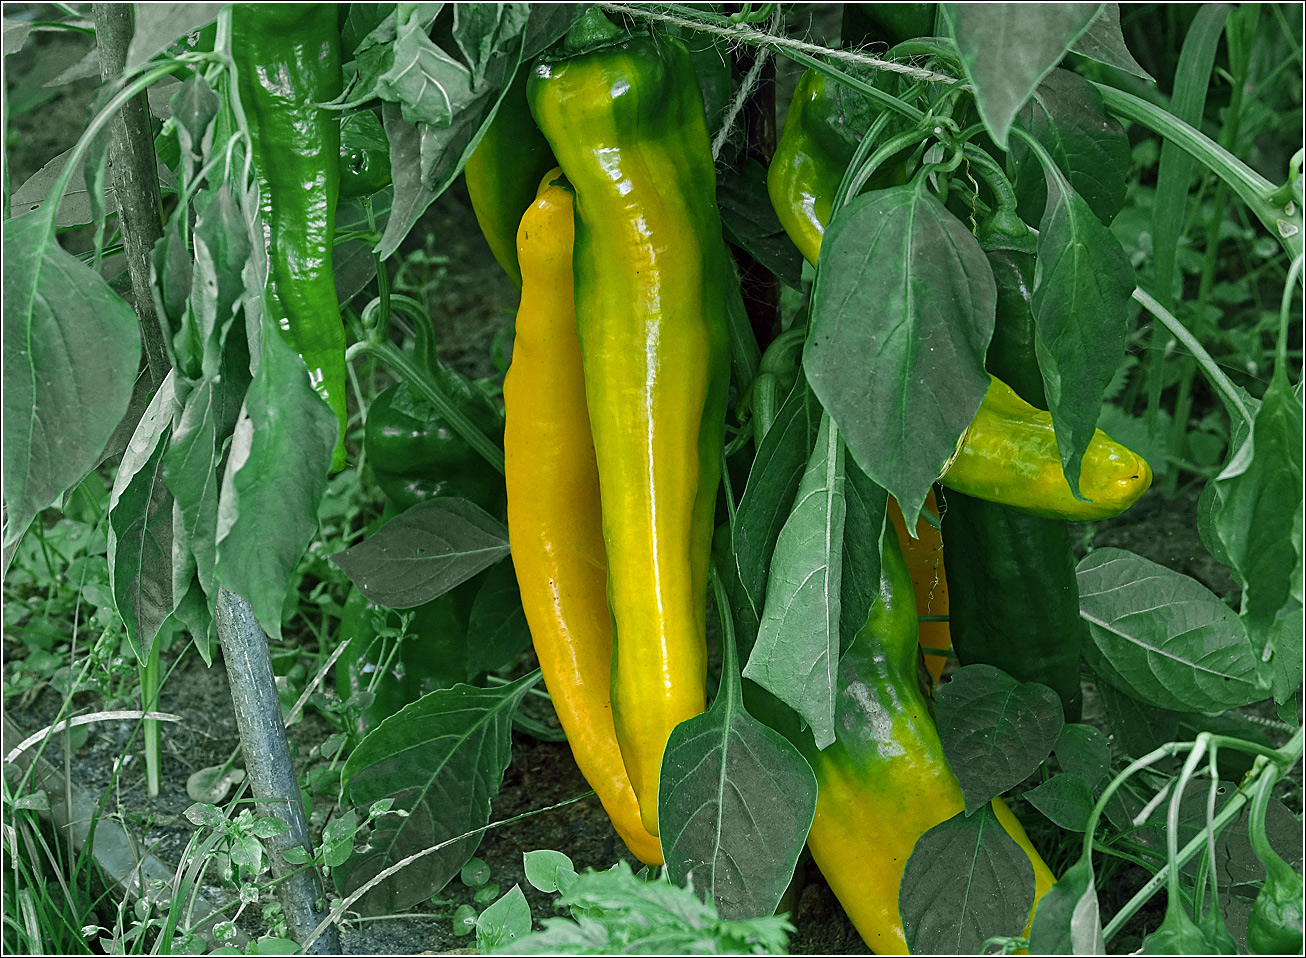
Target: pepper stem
(590, 31)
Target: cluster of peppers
(615, 405)
(595, 187)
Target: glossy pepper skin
(1009, 455)
(823, 127)
(415, 455)
(1015, 597)
(885, 782)
(503, 172)
(364, 156)
(555, 522)
(288, 62)
(626, 122)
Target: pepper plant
(864, 471)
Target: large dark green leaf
(902, 314)
(497, 630)
(424, 552)
(1103, 42)
(862, 525)
(735, 800)
(72, 348)
(273, 484)
(442, 760)
(1066, 799)
(995, 730)
(1082, 303)
(426, 151)
(1163, 637)
(966, 881)
(751, 222)
(1088, 144)
(772, 484)
(140, 526)
(1068, 920)
(796, 657)
(1259, 495)
(1007, 48)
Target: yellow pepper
(625, 119)
(554, 518)
(1008, 454)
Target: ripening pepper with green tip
(625, 119)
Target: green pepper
(415, 455)
(287, 60)
(624, 116)
(1011, 575)
(364, 156)
(825, 123)
(884, 781)
(1275, 924)
(504, 172)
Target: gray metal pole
(268, 765)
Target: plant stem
(1214, 374)
(1285, 758)
(150, 687)
(1283, 222)
(420, 380)
(133, 172)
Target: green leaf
(191, 469)
(547, 870)
(424, 552)
(1084, 751)
(354, 264)
(424, 157)
(751, 222)
(159, 24)
(966, 881)
(772, 484)
(140, 526)
(1192, 79)
(995, 730)
(1007, 48)
(1089, 145)
(905, 289)
(616, 912)
(222, 247)
(1104, 42)
(1082, 302)
(1163, 637)
(796, 656)
(442, 760)
(1066, 799)
(1259, 494)
(274, 481)
(1286, 640)
(1067, 920)
(506, 920)
(72, 349)
(497, 630)
(862, 526)
(735, 800)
